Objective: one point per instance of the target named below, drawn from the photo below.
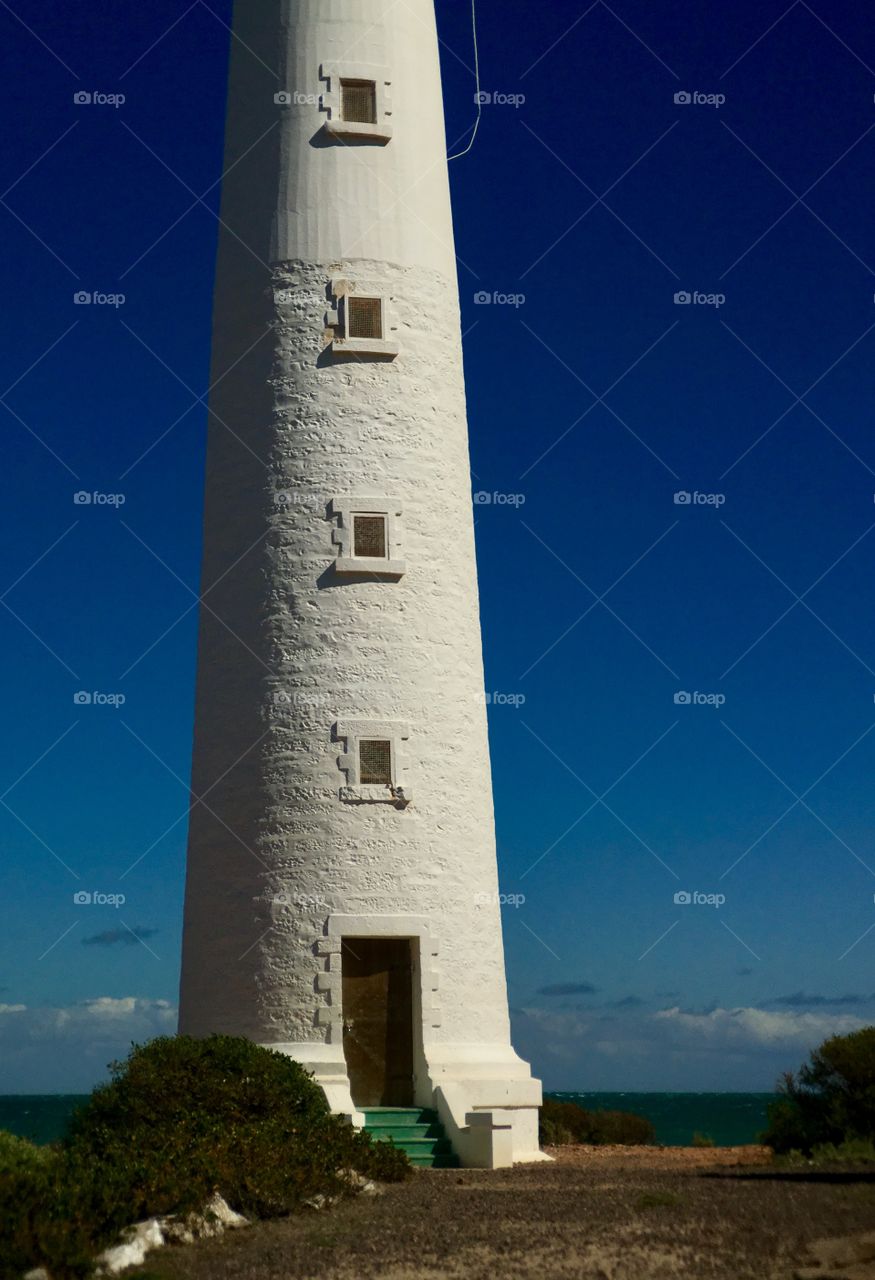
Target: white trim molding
(328, 947)
(343, 511)
(352, 732)
(331, 101)
(337, 319)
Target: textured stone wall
(294, 427)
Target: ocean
(731, 1119)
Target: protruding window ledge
(365, 565)
(365, 347)
(355, 129)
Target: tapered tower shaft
(341, 830)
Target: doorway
(377, 987)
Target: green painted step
(379, 1116)
(414, 1130)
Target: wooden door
(378, 1020)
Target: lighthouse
(342, 901)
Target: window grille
(364, 318)
(375, 761)
(359, 101)
(369, 536)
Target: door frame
(424, 984)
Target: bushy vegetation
(830, 1101)
(180, 1119)
(703, 1140)
(853, 1151)
(566, 1122)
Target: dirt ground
(597, 1213)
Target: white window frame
(338, 320)
(331, 100)
(352, 733)
(342, 511)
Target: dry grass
(595, 1214)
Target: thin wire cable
(478, 96)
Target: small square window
(359, 101)
(375, 761)
(369, 537)
(364, 318)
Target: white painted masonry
(286, 853)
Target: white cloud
(754, 1028)
(66, 1049)
(731, 1049)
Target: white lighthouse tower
(342, 893)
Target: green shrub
(621, 1128)
(703, 1140)
(17, 1154)
(853, 1151)
(180, 1119)
(830, 1101)
(567, 1122)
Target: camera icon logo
(683, 498)
(82, 699)
(683, 898)
(283, 499)
(482, 498)
(683, 298)
(81, 99)
(82, 298)
(682, 698)
(482, 99)
(283, 98)
(82, 498)
(683, 98)
(82, 898)
(482, 299)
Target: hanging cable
(478, 98)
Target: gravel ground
(595, 1214)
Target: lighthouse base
(485, 1097)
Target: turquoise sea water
(731, 1119)
(40, 1117)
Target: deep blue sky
(766, 199)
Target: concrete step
(377, 1117)
(415, 1131)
